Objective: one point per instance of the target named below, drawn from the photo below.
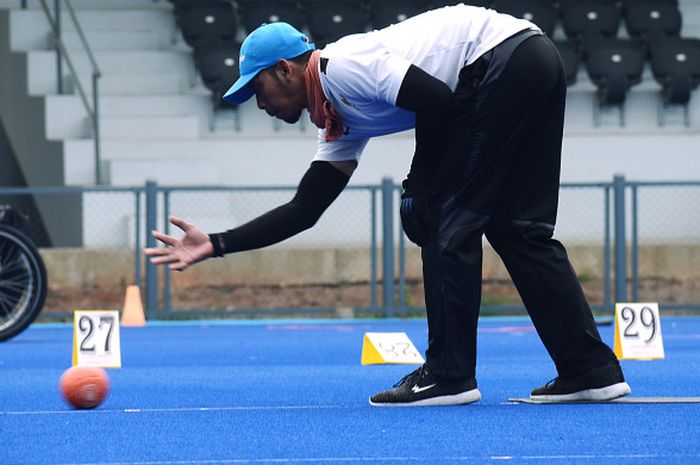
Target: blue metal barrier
(622, 206)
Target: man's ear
(284, 69)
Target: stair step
(42, 69)
(153, 105)
(30, 29)
(153, 148)
(153, 83)
(79, 126)
(66, 116)
(191, 172)
(130, 128)
(233, 158)
(123, 20)
(117, 40)
(124, 61)
(96, 4)
(132, 84)
(101, 19)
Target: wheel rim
(19, 280)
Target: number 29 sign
(638, 332)
(96, 338)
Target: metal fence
(665, 236)
(627, 240)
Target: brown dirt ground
(352, 295)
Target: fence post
(388, 244)
(151, 269)
(373, 252)
(620, 240)
(137, 240)
(59, 58)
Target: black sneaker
(599, 384)
(421, 387)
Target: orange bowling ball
(84, 387)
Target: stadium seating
(614, 66)
(645, 20)
(441, 3)
(386, 13)
(180, 5)
(675, 64)
(540, 12)
(563, 5)
(590, 27)
(207, 22)
(571, 59)
(587, 18)
(329, 22)
(218, 67)
(270, 12)
(310, 5)
(626, 4)
(247, 4)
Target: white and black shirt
(363, 72)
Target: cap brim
(240, 91)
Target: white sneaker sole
(466, 397)
(611, 392)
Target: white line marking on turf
(431, 459)
(180, 409)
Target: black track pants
(501, 179)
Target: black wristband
(218, 243)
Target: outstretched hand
(193, 247)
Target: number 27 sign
(638, 331)
(96, 341)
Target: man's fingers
(180, 266)
(180, 223)
(164, 259)
(156, 251)
(164, 238)
(165, 255)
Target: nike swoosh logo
(417, 389)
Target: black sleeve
(429, 98)
(319, 187)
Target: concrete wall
(109, 268)
(10, 175)
(40, 160)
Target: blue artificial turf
(295, 392)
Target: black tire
(22, 282)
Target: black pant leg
(487, 152)
(521, 230)
(547, 283)
(452, 282)
(482, 142)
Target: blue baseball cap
(263, 48)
